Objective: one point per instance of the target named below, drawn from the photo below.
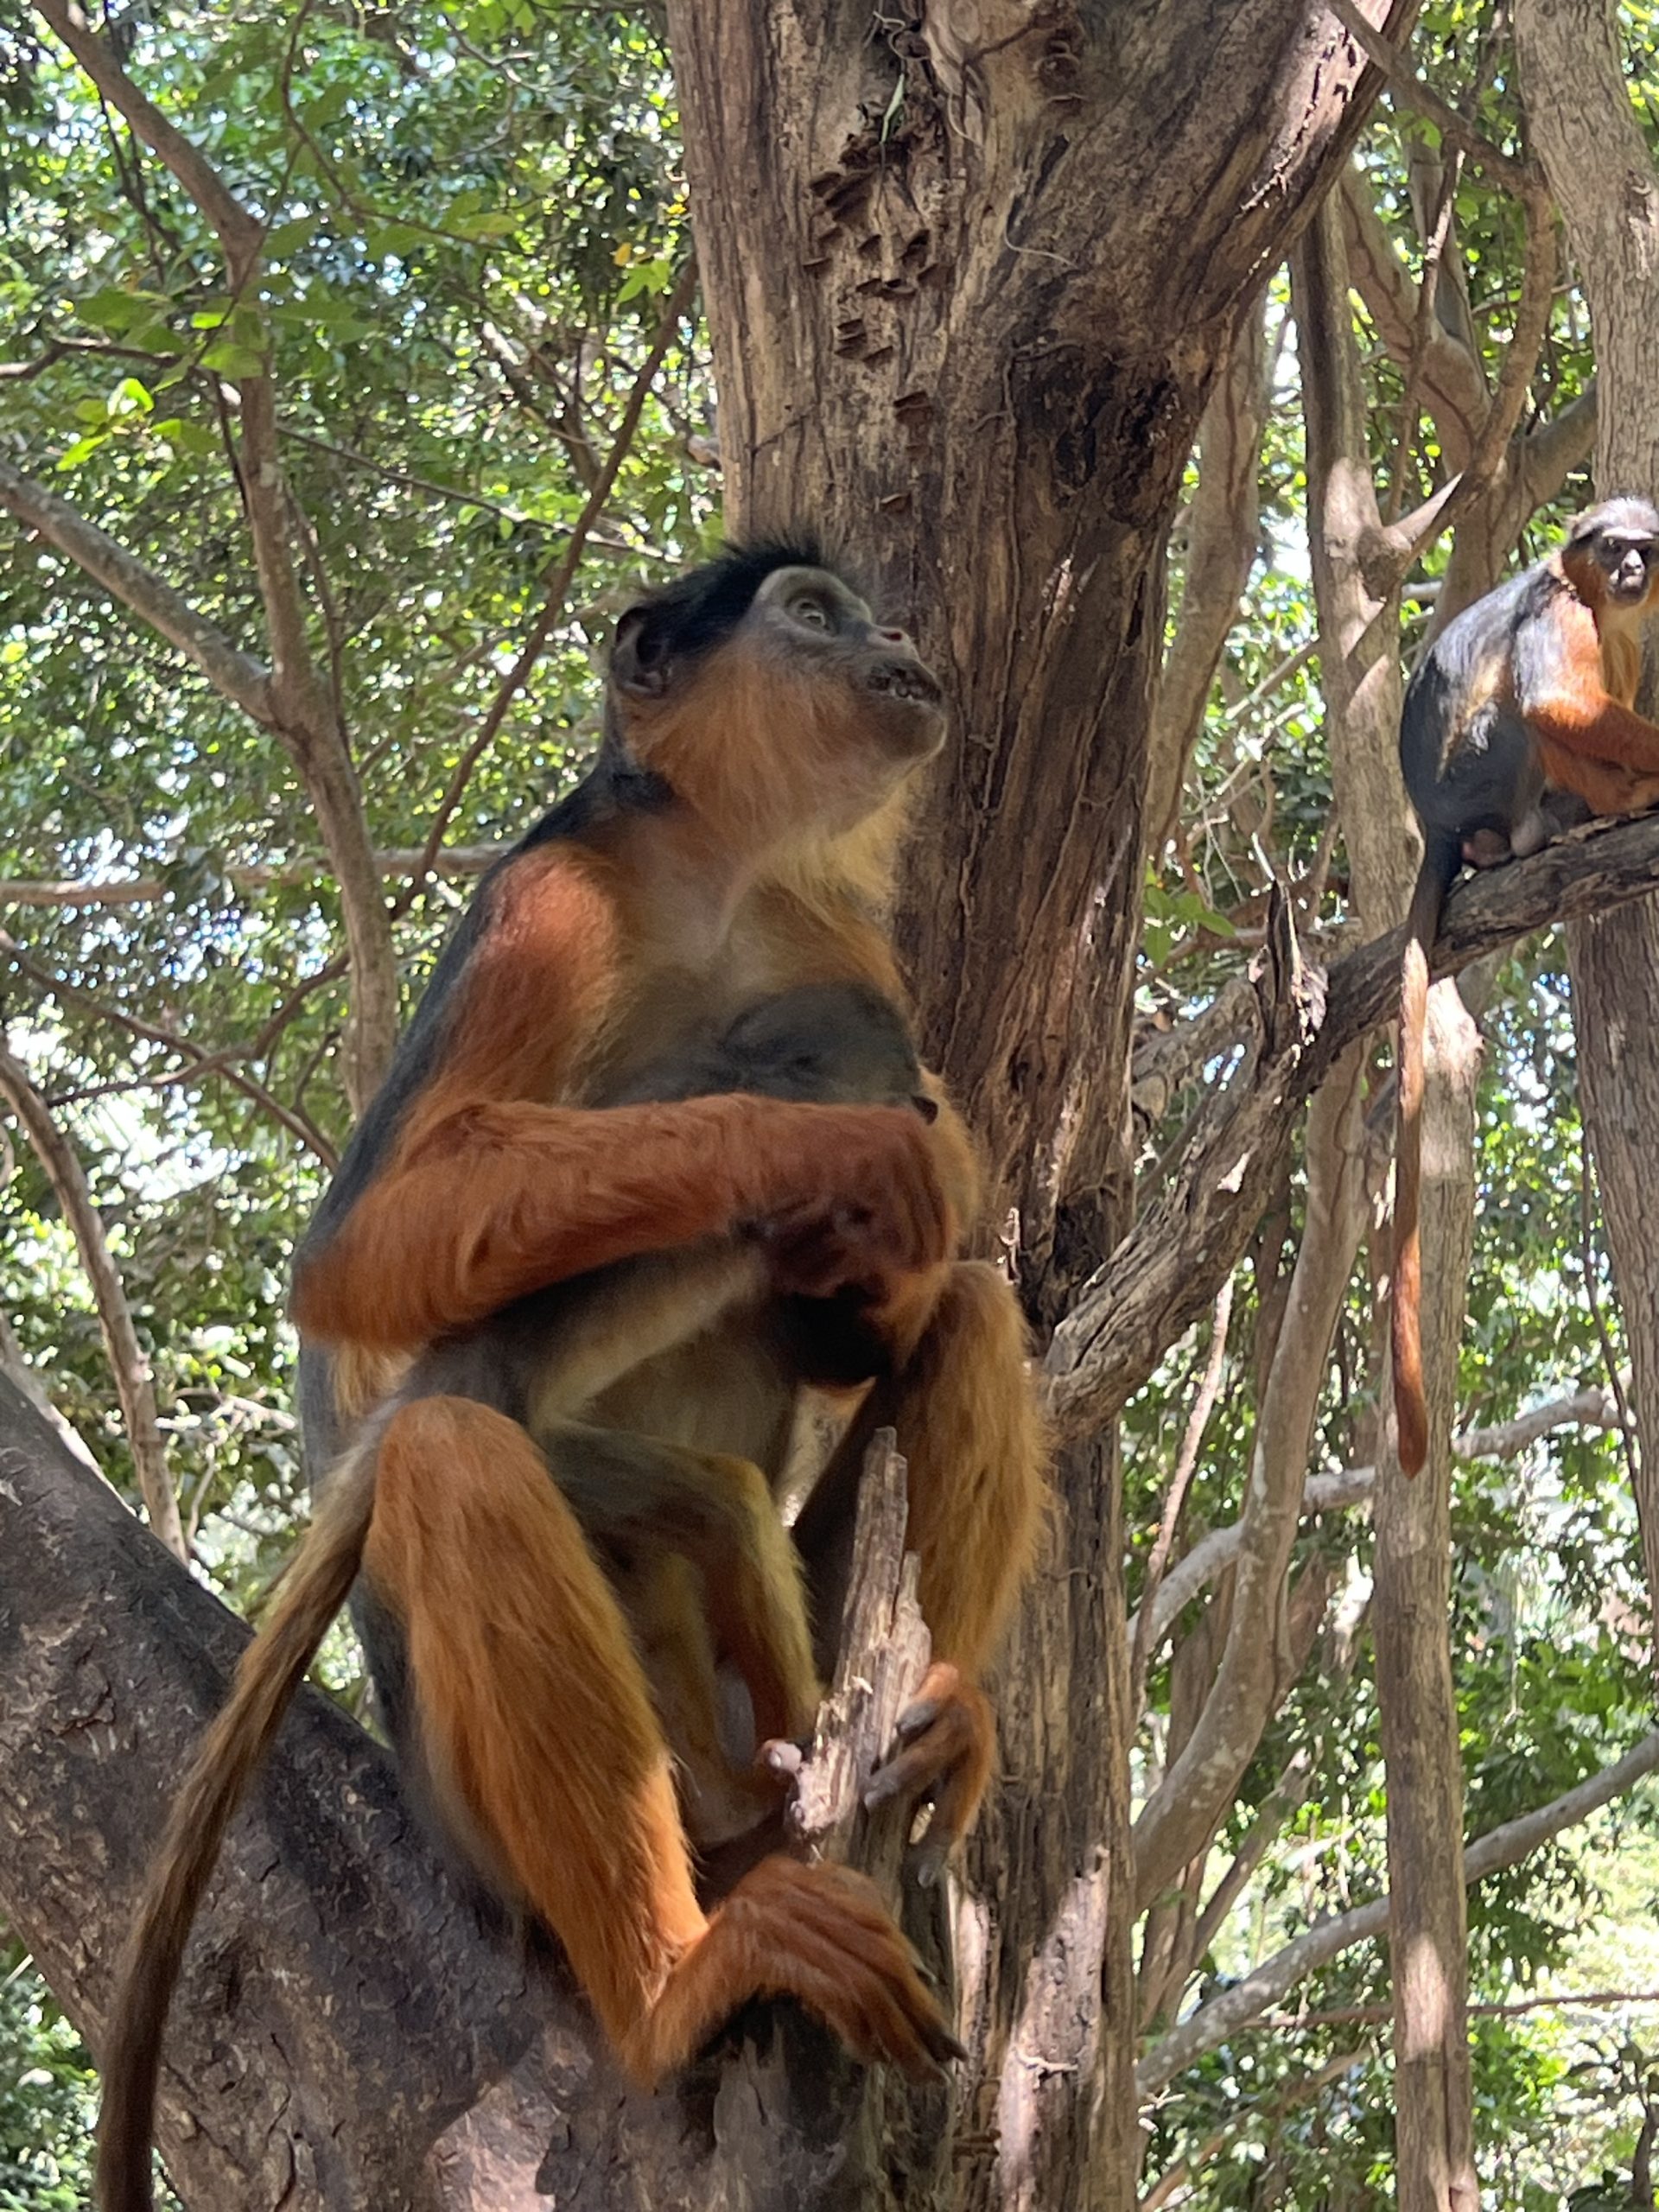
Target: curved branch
(240, 678)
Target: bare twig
(128, 1365)
(1186, 1462)
(559, 580)
(144, 890)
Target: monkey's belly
(723, 1391)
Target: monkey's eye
(812, 613)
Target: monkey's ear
(640, 662)
(926, 1107)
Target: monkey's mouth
(906, 679)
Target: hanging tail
(310, 1593)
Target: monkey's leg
(967, 1423)
(1605, 789)
(533, 1712)
(719, 1513)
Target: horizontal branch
(1213, 2023)
(144, 890)
(1594, 1406)
(243, 680)
(1169, 1267)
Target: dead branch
(882, 1655)
(128, 1365)
(144, 890)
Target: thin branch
(1282, 2100)
(461, 861)
(243, 680)
(1593, 1407)
(240, 234)
(302, 716)
(1214, 2024)
(1589, 1205)
(559, 581)
(1366, 2015)
(1404, 80)
(128, 1365)
(1185, 1463)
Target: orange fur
(500, 1199)
(1589, 717)
(537, 1718)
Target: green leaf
(283, 238)
(229, 360)
(499, 225)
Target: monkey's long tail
(311, 1593)
(1422, 926)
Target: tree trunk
(1581, 119)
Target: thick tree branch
(1214, 2023)
(128, 1365)
(243, 680)
(1171, 1265)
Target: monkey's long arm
(486, 1195)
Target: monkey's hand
(947, 1744)
(871, 1205)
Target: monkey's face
(1615, 549)
(804, 717)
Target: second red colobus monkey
(733, 842)
(1517, 721)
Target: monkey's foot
(819, 1934)
(947, 1742)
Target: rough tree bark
(1579, 114)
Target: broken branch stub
(882, 1655)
